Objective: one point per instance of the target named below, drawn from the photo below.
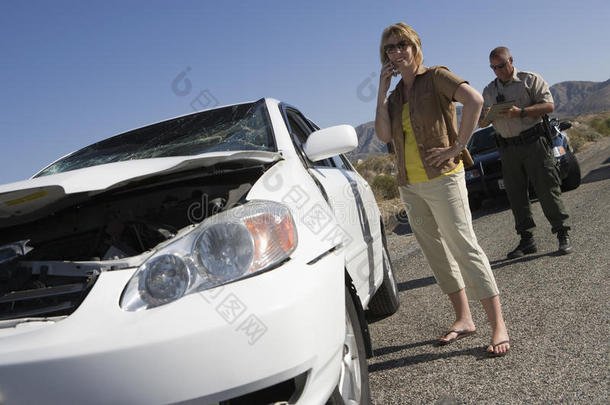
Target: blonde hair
(403, 32)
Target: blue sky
(74, 72)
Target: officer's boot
(526, 246)
(565, 246)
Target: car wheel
(572, 180)
(353, 387)
(385, 302)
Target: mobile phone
(394, 70)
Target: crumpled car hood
(28, 196)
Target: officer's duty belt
(525, 137)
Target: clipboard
(495, 109)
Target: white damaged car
(222, 257)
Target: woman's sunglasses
(393, 48)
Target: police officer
(525, 151)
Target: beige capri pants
(440, 218)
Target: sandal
(459, 334)
(492, 353)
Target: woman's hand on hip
(438, 156)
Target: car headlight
(229, 246)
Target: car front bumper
(206, 347)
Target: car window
(312, 124)
(341, 162)
(301, 128)
(482, 141)
(234, 128)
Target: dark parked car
(484, 178)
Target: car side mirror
(565, 125)
(331, 141)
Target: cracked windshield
(235, 128)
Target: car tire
(386, 301)
(353, 386)
(573, 178)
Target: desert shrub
(367, 175)
(580, 134)
(601, 125)
(591, 135)
(384, 187)
(377, 164)
(577, 138)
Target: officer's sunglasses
(500, 66)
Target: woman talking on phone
(419, 119)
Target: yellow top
(413, 163)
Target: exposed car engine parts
(47, 265)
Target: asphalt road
(556, 309)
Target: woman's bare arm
(472, 102)
(383, 128)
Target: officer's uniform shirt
(525, 88)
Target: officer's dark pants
(533, 161)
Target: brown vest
(433, 118)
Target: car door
(359, 193)
(353, 204)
